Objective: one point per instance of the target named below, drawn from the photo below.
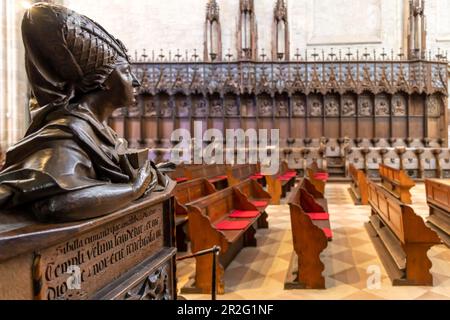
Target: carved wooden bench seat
(401, 238)
(238, 173)
(179, 174)
(306, 185)
(438, 199)
(185, 193)
(280, 184)
(225, 219)
(310, 235)
(258, 197)
(317, 177)
(397, 182)
(358, 187)
(216, 174)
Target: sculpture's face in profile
(121, 85)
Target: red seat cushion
(232, 225)
(328, 233)
(321, 174)
(181, 179)
(323, 177)
(283, 178)
(260, 203)
(291, 174)
(221, 177)
(256, 177)
(318, 215)
(244, 214)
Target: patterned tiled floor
(259, 273)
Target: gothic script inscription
(78, 268)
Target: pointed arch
(280, 41)
(247, 31)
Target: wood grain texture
(411, 233)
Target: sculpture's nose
(136, 82)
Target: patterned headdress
(66, 54)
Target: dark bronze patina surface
(70, 165)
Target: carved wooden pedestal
(129, 254)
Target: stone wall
(176, 24)
(13, 80)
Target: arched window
(280, 43)
(213, 33)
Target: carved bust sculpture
(70, 165)
(316, 109)
(283, 110)
(331, 108)
(183, 109)
(299, 109)
(348, 109)
(150, 109)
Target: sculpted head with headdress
(71, 165)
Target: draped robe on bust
(71, 151)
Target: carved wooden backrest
(395, 175)
(252, 189)
(216, 205)
(308, 203)
(193, 190)
(311, 189)
(438, 194)
(178, 173)
(401, 219)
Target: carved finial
(280, 12)
(212, 11)
(246, 5)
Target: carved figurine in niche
(265, 109)
(201, 109)
(216, 109)
(166, 109)
(382, 106)
(299, 108)
(231, 109)
(348, 107)
(398, 106)
(365, 106)
(183, 108)
(315, 108)
(283, 110)
(433, 107)
(134, 111)
(150, 108)
(247, 108)
(332, 107)
(71, 165)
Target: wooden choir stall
(401, 238)
(358, 185)
(311, 232)
(397, 182)
(438, 198)
(227, 219)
